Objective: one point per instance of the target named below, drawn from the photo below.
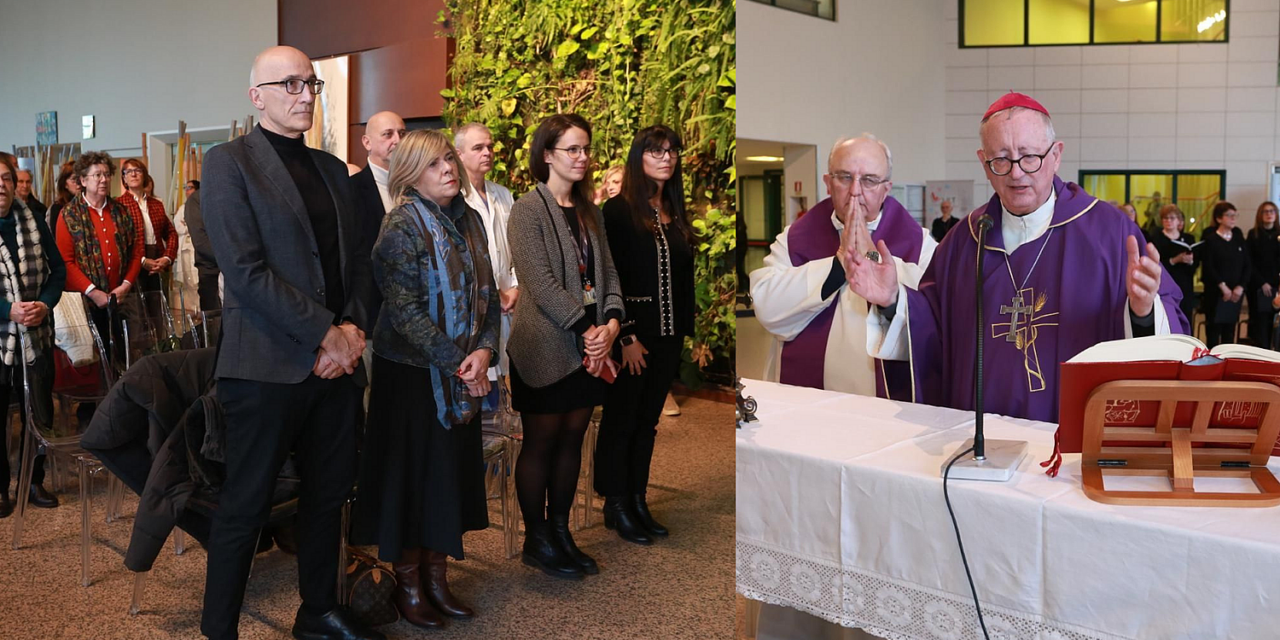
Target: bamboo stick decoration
(144, 150)
(175, 180)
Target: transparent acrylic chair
(581, 513)
(68, 448)
(502, 440)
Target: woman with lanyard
(422, 464)
(650, 236)
(568, 314)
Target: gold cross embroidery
(1024, 334)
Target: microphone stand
(979, 441)
(1003, 459)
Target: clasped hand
(156, 266)
(28, 314)
(474, 372)
(339, 352)
(597, 343)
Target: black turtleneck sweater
(320, 210)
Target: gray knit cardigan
(543, 250)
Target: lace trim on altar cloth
(882, 606)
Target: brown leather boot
(409, 599)
(437, 586)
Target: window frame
(1026, 30)
(1173, 173)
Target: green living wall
(623, 65)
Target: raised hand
(1142, 277)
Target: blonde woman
(422, 468)
(610, 184)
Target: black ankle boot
(542, 552)
(560, 533)
(42, 498)
(618, 515)
(652, 526)
(6, 507)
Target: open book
(1171, 347)
(1188, 247)
(1169, 357)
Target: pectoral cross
(1018, 308)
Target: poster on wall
(47, 128)
(330, 117)
(958, 192)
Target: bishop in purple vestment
(1062, 271)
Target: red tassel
(1055, 461)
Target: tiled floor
(680, 588)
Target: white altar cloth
(840, 514)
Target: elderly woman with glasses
(99, 241)
(31, 279)
(422, 467)
(159, 237)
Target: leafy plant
(623, 65)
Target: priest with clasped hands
(1063, 271)
(800, 297)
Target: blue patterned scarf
(458, 292)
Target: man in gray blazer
(282, 222)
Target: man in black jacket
(281, 219)
(381, 135)
(206, 262)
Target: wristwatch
(627, 340)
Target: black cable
(945, 473)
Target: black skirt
(420, 485)
(577, 390)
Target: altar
(840, 515)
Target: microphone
(980, 442)
(996, 460)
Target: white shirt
(495, 211)
(149, 232)
(787, 298)
(1019, 230)
(888, 340)
(381, 177)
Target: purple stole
(1073, 299)
(814, 237)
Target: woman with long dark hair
(1264, 255)
(568, 314)
(68, 188)
(652, 242)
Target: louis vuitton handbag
(368, 587)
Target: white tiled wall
(1172, 106)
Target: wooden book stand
(1170, 453)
